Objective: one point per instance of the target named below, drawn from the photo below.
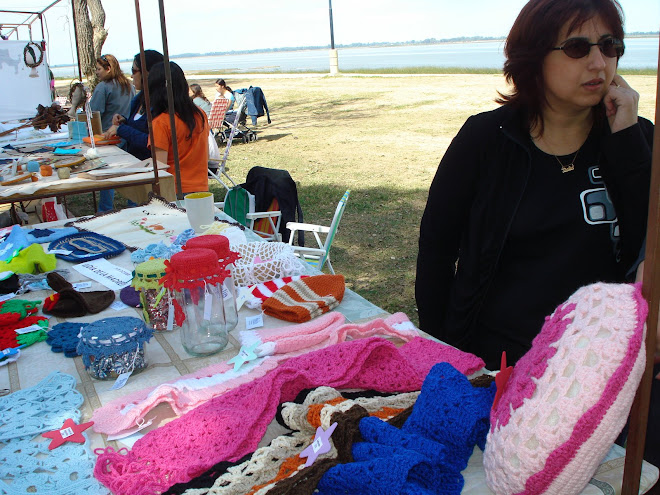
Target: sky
(227, 26)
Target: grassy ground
(380, 137)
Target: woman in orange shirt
(191, 124)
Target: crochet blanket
(276, 346)
(26, 464)
(231, 425)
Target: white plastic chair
(320, 256)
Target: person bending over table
(112, 95)
(541, 196)
(192, 129)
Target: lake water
(640, 53)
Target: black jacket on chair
(268, 183)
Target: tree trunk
(91, 36)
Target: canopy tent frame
(31, 19)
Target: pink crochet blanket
(231, 425)
(278, 344)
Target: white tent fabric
(20, 94)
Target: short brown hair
(534, 34)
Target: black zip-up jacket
(474, 197)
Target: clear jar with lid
(113, 346)
(153, 296)
(203, 299)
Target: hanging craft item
(86, 246)
(33, 56)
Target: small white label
(60, 251)
(118, 305)
(5, 275)
(243, 293)
(254, 322)
(66, 432)
(7, 297)
(226, 294)
(208, 306)
(30, 329)
(121, 381)
(82, 285)
(170, 316)
(317, 444)
(126, 433)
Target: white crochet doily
(264, 261)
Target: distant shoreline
(354, 45)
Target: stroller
(234, 125)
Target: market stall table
(167, 360)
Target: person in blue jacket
(134, 127)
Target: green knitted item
(16, 309)
(32, 259)
(147, 274)
(27, 339)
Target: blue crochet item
(42, 236)
(86, 246)
(109, 336)
(429, 452)
(161, 250)
(63, 337)
(13, 243)
(25, 459)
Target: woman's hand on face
(621, 102)
(112, 131)
(117, 119)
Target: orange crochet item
(314, 411)
(307, 298)
(288, 467)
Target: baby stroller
(234, 125)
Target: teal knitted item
(110, 336)
(26, 464)
(64, 338)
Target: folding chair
(319, 256)
(216, 119)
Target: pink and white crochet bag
(569, 397)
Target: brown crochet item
(68, 302)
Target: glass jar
(113, 346)
(204, 300)
(153, 297)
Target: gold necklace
(571, 166)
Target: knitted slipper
(68, 302)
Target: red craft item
(70, 432)
(502, 378)
(193, 268)
(218, 243)
(8, 331)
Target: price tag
(118, 305)
(317, 444)
(226, 294)
(82, 285)
(208, 306)
(30, 329)
(243, 293)
(66, 432)
(121, 380)
(60, 251)
(254, 322)
(170, 316)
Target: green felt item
(32, 259)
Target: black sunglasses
(580, 47)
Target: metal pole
(332, 31)
(75, 32)
(147, 101)
(170, 100)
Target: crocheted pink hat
(569, 397)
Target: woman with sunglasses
(541, 196)
(191, 125)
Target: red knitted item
(218, 243)
(230, 426)
(16, 309)
(193, 268)
(8, 331)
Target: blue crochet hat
(86, 246)
(43, 236)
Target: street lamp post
(334, 62)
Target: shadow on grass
(273, 137)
